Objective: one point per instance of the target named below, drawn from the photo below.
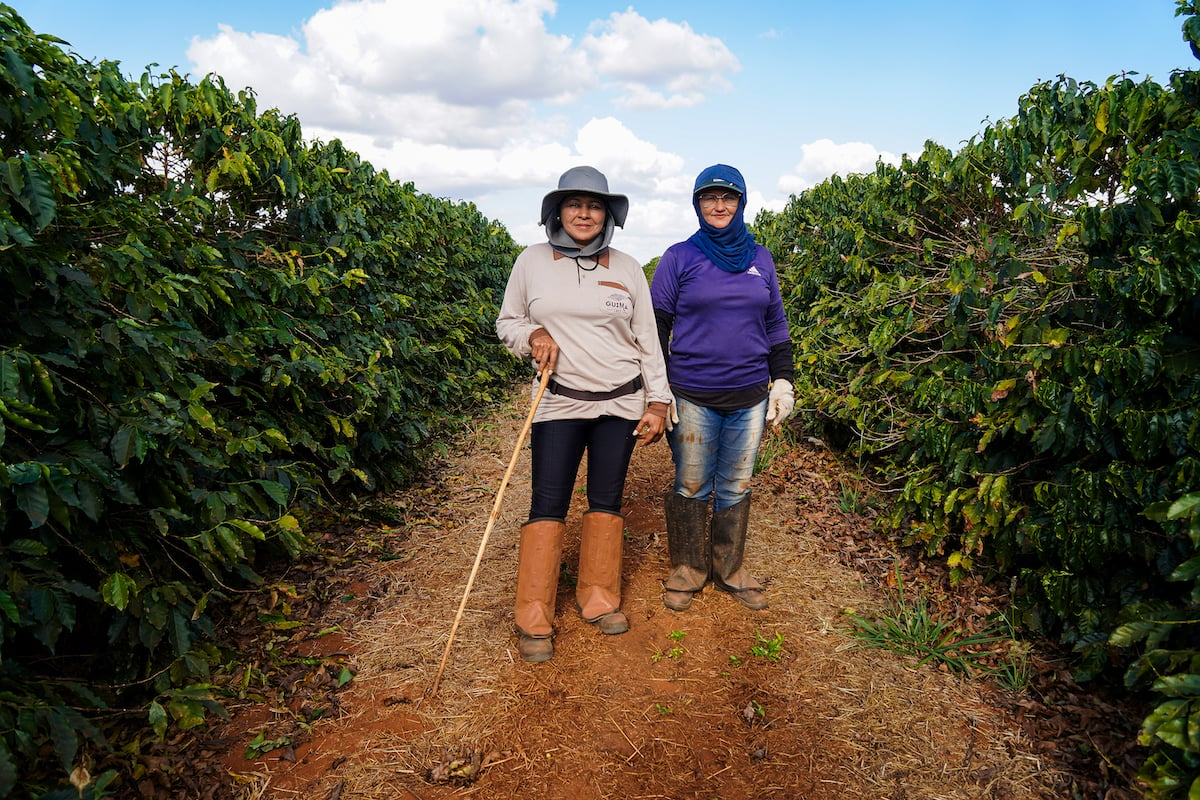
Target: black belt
(576, 394)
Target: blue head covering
(731, 248)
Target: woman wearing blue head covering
(729, 361)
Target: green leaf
(63, 736)
(202, 416)
(37, 195)
(9, 607)
(24, 472)
(249, 528)
(1101, 121)
(1181, 685)
(158, 719)
(1184, 506)
(33, 499)
(276, 438)
(1187, 571)
(230, 542)
(117, 589)
(201, 390)
(181, 631)
(8, 771)
(124, 445)
(1001, 389)
(28, 547)
(19, 70)
(1175, 723)
(1055, 337)
(276, 491)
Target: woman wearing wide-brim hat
(580, 308)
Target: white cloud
(276, 69)
(660, 211)
(659, 64)
(462, 72)
(419, 83)
(609, 144)
(824, 158)
(637, 97)
(507, 182)
(460, 173)
(464, 52)
(654, 225)
(477, 99)
(458, 72)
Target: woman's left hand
(650, 428)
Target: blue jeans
(714, 451)
(558, 447)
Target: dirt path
(680, 707)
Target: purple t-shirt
(725, 322)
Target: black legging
(558, 447)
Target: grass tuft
(906, 623)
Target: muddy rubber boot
(690, 549)
(538, 559)
(598, 592)
(729, 527)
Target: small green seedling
(770, 649)
(675, 652)
(260, 745)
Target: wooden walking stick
(491, 523)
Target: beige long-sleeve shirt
(600, 315)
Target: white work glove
(780, 401)
(672, 417)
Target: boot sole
(610, 624)
(753, 599)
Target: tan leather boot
(598, 592)
(538, 558)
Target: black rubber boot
(690, 548)
(729, 526)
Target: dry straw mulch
(677, 708)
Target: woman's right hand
(545, 352)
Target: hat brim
(617, 204)
(718, 185)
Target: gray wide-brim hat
(585, 180)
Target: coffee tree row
(209, 326)
(1012, 333)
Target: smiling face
(718, 206)
(582, 217)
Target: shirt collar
(600, 258)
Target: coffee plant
(1011, 333)
(210, 328)
(1166, 629)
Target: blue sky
(490, 100)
